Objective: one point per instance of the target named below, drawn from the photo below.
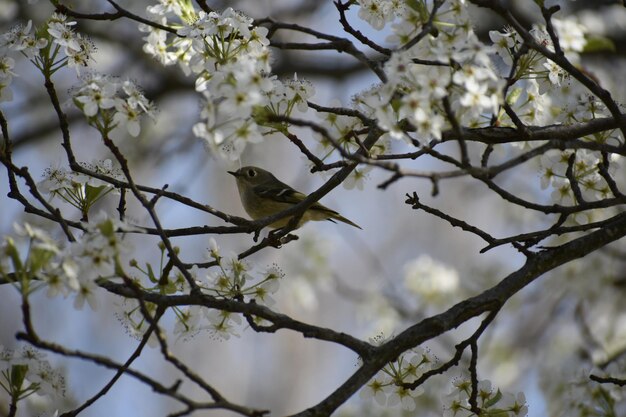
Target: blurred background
(361, 282)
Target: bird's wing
(282, 193)
(285, 194)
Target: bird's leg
(286, 239)
(276, 241)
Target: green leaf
(151, 275)
(170, 288)
(18, 373)
(11, 251)
(37, 259)
(92, 194)
(597, 43)
(396, 104)
(513, 96)
(493, 400)
(107, 228)
(418, 6)
(496, 412)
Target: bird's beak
(233, 173)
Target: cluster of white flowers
(56, 45)
(6, 76)
(232, 281)
(471, 79)
(78, 48)
(343, 130)
(545, 94)
(26, 371)
(130, 314)
(73, 269)
(80, 190)
(433, 281)
(230, 60)
(284, 96)
(98, 255)
(414, 92)
(584, 171)
(110, 103)
(576, 396)
(489, 401)
(571, 34)
(387, 389)
(19, 39)
(534, 66)
(380, 12)
(568, 358)
(59, 34)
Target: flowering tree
(482, 113)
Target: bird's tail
(344, 220)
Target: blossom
(478, 98)
(100, 93)
(79, 190)
(357, 178)
(404, 397)
(230, 62)
(188, 321)
(489, 401)
(20, 39)
(263, 291)
(63, 33)
(239, 100)
(428, 124)
(555, 72)
(302, 294)
(505, 43)
(127, 116)
(571, 34)
(516, 405)
(83, 56)
(86, 293)
(40, 239)
(165, 7)
(214, 250)
(222, 324)
(398, 65)
(131, 315)
(376, 12)
(375, 389)
(97, 92)
(298, 92)
(6, 69)
(157, 46)
(430, 279)
(135, 97)
(6, 76)
(38, 374)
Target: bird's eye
(251, 173)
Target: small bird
(262, 194)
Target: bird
(262, 195)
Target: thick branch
(490, 300)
